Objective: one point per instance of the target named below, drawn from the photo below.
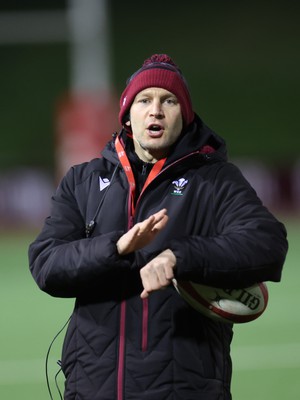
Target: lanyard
(129, 173)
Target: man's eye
(145, 101)
(171, 101)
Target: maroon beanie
(157, 71)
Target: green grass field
(266, 352)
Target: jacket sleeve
(249, 244)
(63, 262)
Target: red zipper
(145, 325)
(156, 170)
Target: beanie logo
(179, 186)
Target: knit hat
(157, 71)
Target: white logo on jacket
(103, 183)
(179, 185)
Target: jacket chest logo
(103, 183)
(179, 186)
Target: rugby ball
(226, 305)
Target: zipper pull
(89, 228)
(144, 169)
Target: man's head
(155, 106)
(157, 71)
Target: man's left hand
(158, 273)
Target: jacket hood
(199, 137)
(196, 137)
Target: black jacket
(119, 347)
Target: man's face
(156, 123)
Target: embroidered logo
(179, 186)
(103, 183)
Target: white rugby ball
(226, 305)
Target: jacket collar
(196, 137)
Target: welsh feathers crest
(179, 185)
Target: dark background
(240, 58)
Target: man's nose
(156, 109)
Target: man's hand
(142, 233)
(158, 273)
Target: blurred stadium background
(63, 65)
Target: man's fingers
(160, 224)
(144, 294)
(155, 283)
(160, 215)
(155, 280)
(147, 225)
(155, 222)
(158, 273)
(142, 233)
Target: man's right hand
(142, 233)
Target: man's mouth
(155, 130)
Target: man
(161, 203)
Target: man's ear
(127, 123)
